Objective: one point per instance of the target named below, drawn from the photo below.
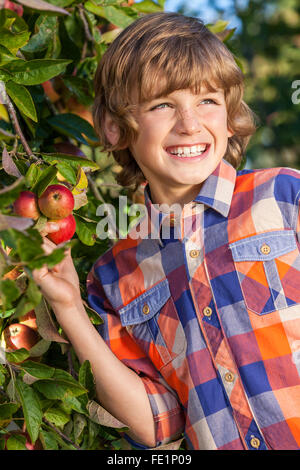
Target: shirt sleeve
(167, 412)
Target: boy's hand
(59, 285)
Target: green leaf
(7, 313)
(9, 18)
(9, 292)
(79, 87)
(33, 292)
(57, 416)
(5, 55)
(86, 378)
(28, 246)
(67, 172)
(16, 442)
(51, 260)
(17, 356)
(147, 6)
(78, 404)
(59, 386)
(219, 26)
(40, 348)
(70, 159)
(13, 41)
(30, 299)
(48, 440)
(10, 193)
(32, 175)
(36, 71)
(22, 99)
(2, 372)
(31, 408)
(80, 423)
(8, 409)
(63, 3)
(45, 178)
(38, 370)
(74, 126)
(5, 76)
(45, 27)
(113, 14)
(86, 231)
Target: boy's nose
(188, 123)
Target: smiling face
(181, 140)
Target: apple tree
(49, 53)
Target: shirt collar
(216, 192)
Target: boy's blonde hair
(154, 56)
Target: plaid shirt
(210, 317)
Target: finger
(40, 274)
(48, 246)
(49, 227)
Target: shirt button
(172, 221)
(207, 311)
(265, 249)
(229, 377)
(146, 309)
(194, 253)
(255, 442)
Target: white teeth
(189, 151)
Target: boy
(201, 330)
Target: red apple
(29, 319)
(67, 227)
(56, 202)
(27, 205)
(18, 336)
(14, 7)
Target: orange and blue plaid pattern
(209, 317)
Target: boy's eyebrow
(168, 96)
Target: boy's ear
(111, 129)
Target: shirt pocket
(152, 321)
(268, 269)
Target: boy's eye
(208, 101)
(160, 106)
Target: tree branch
(61, 434)
(85, 24)
(13, 117)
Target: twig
(5, 255)
(13, 116)
(112, 185)
(6, 133)
(95, 190)
(61, 434)
(98, 196)
(71, 367)
(85, 24)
